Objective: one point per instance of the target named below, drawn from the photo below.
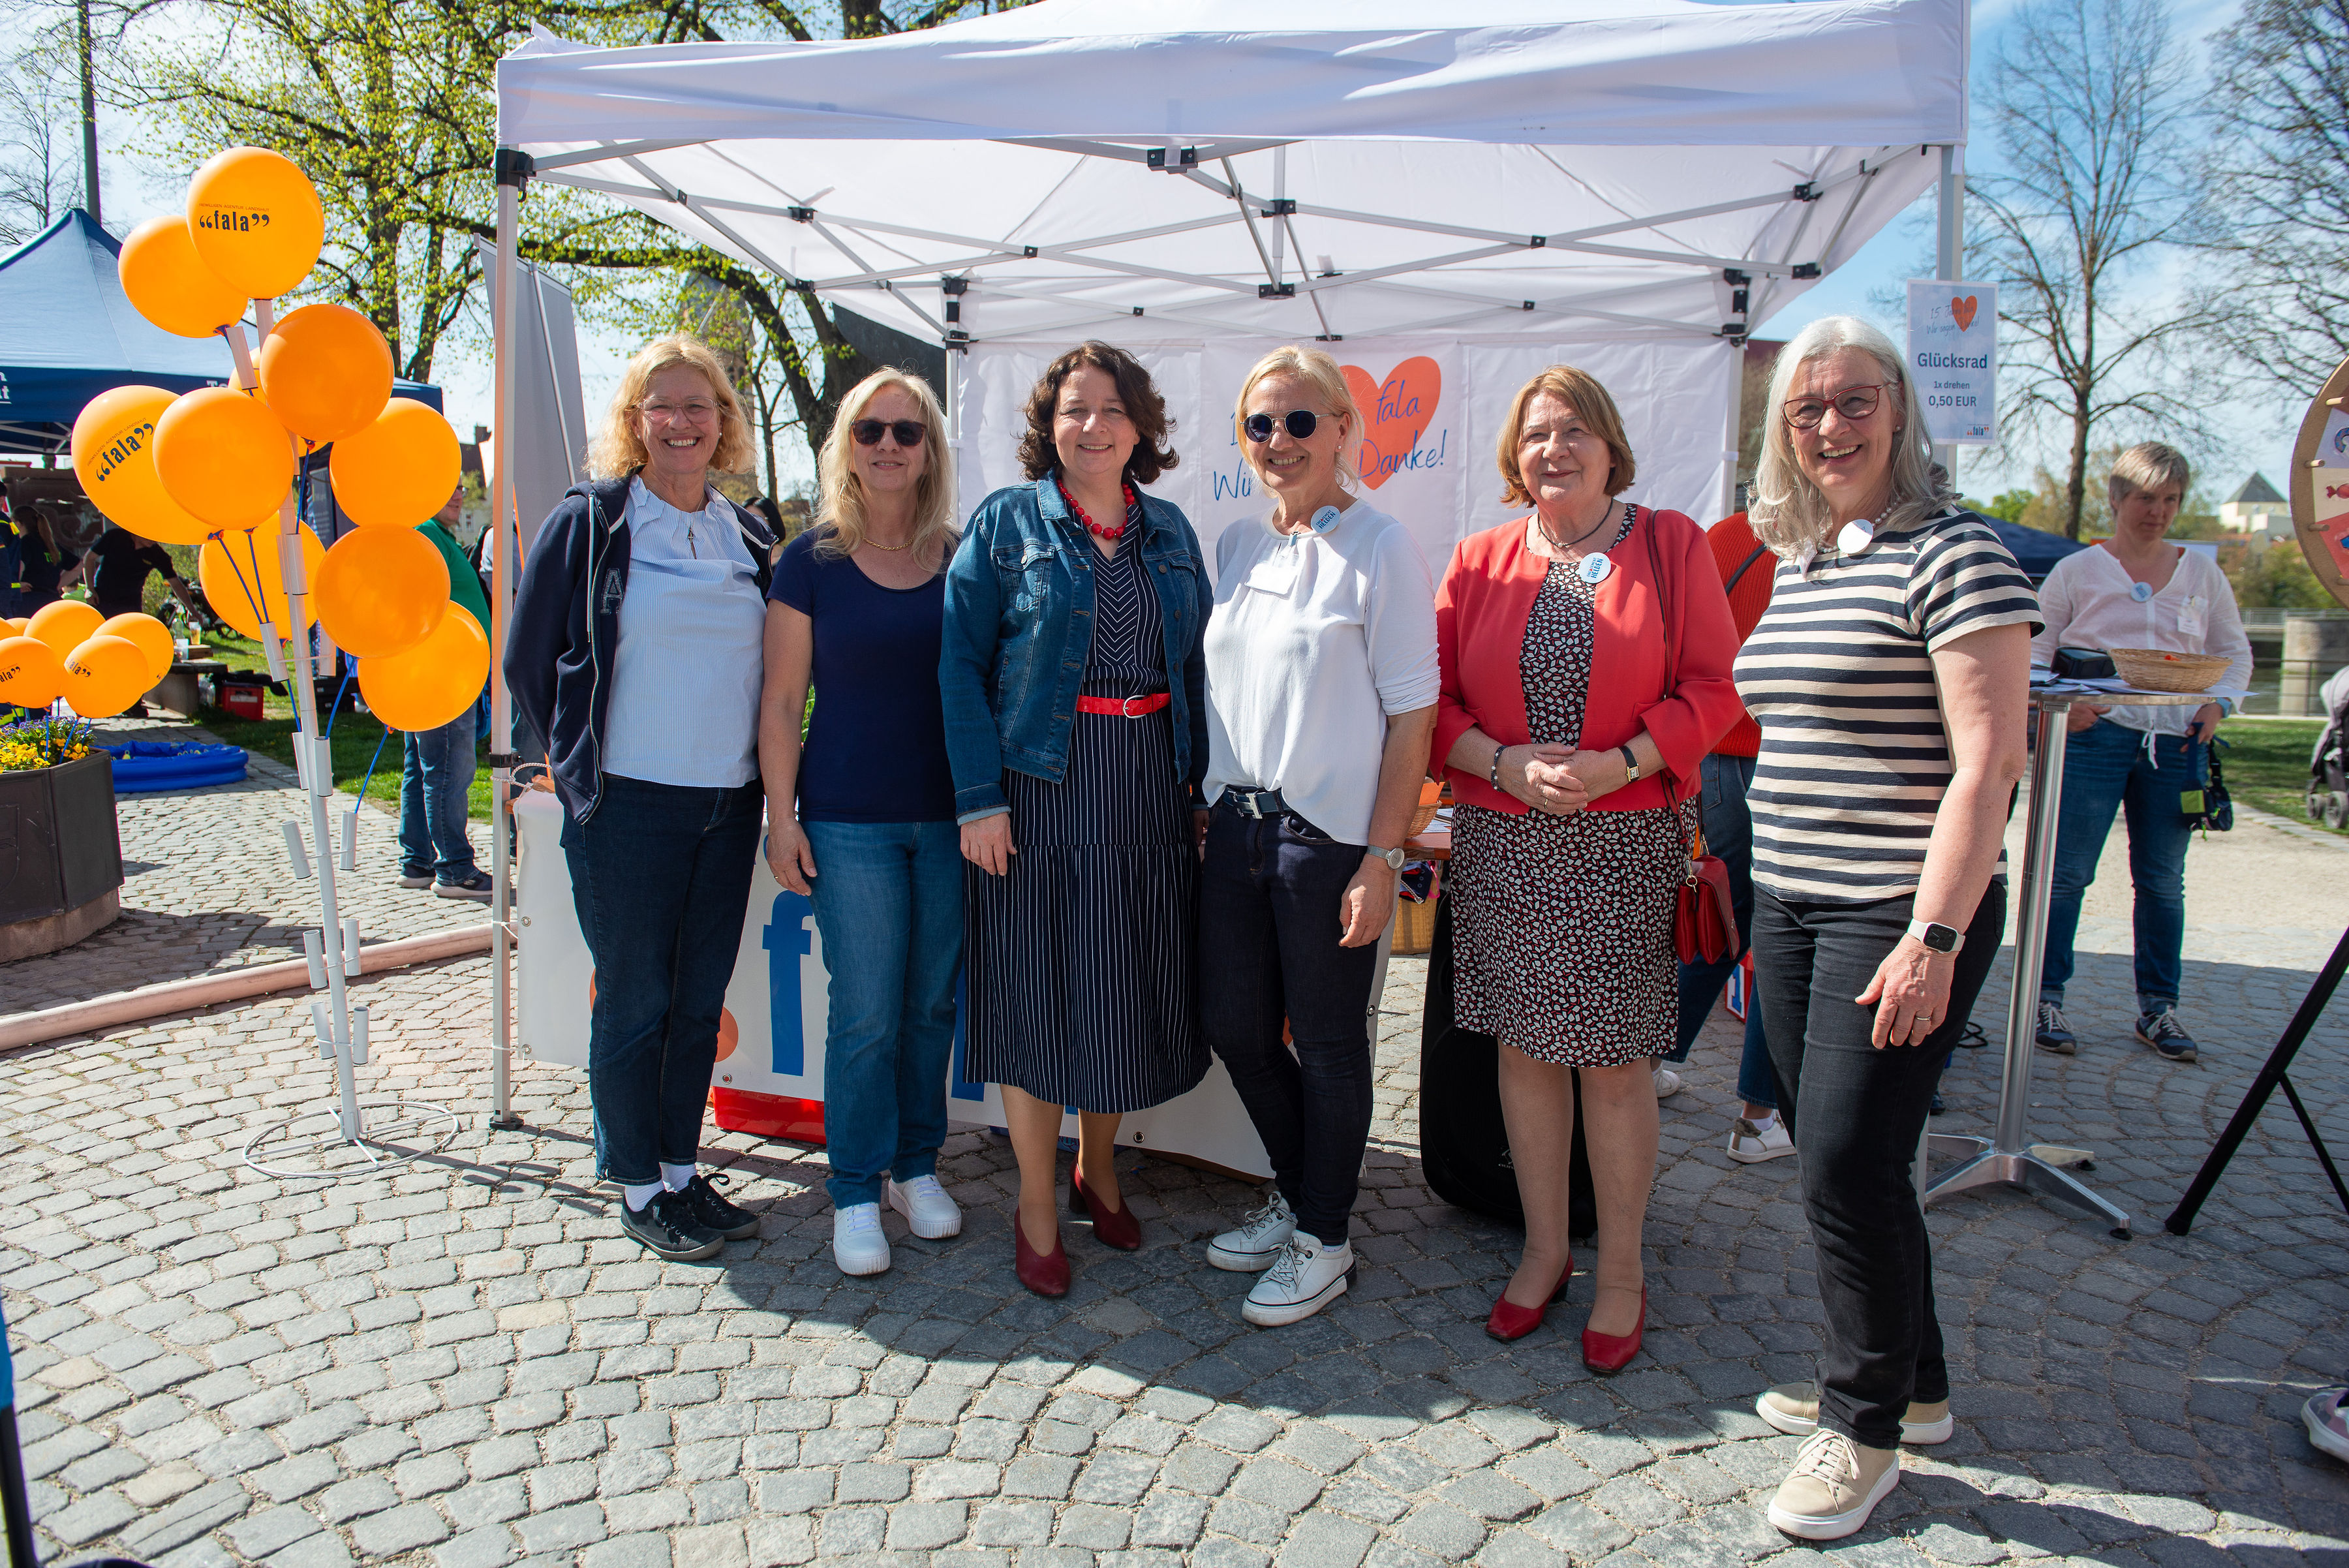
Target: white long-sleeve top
(2085, 603)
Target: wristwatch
(1393, 857)
(1936, 937)
(1630, 765)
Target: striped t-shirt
(1840, 674)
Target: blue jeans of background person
(436, 778)
(1728, 833)
(1270, 891)
(660, 875)
(888, 905)
(1856, 1113)
(2105, 766)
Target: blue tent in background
(68, 333)
(2034, 552)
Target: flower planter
(60, 856)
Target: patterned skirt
(1562, 931)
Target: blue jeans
(436, 776)
(1268, 897)
(2106, 766)
(661, 877)
(888, 905)
(1729, 833)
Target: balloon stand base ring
(312, 1146)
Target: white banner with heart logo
(1953, 356)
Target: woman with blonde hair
(1321, 683)
(636, 650)
(857, 605)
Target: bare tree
(2087, 103)
(40, 146)
(2276, 185)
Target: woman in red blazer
(1586, 651)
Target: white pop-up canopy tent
(1481, 186)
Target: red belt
(1126, 706)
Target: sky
(2257, 431)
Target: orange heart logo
(1395, 413)
(1961, 311)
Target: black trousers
(1856, 1113)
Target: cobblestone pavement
(207, 886)
(458, 1364)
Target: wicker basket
(1431, 796)
(2152, 669)
(1414, 927)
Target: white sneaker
(857, 1245)
(1750, 1145)
(1252, 1248)
(1668, 1083)
(929, 1212)
(1306, 1277)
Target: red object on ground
(243, 702)
(769, 1116)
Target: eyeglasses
(1299, 422)
(697, 411)
(1852, 403)
(909, 432)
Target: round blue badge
(1325, 520)
(2141, 592)
(1594, 568)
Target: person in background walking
(858, 604)
(636, 649)
(2136, 590)
(436, 767)
(1077, 728)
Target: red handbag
(1704, 922)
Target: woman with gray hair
(2136, 590)
(1889, 677)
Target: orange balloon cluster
(99, 666)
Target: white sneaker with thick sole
(929, 1212)
(1252, 1248)
(1750, 1145)
(1307, 1276)
(858, 1245)
(1793, 1408)
(1835, 1486)
(2328, 1426)
(1668, 1083)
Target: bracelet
(1495, 776)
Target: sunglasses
(1852, 403)
(909, 432)
(1299, 422)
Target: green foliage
(2278, 578)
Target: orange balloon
(326, 371)
(114, 457)
(16, 625)
(153, 638)
(104, 676)
(398, 471)
(431, 683)
(381, 591)
(256, 220)
(31, 674)
(65, 625)
(224, 456)
(169, 284)
(242, 580)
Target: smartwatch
(1393, 857)
(1936, 937)
(1630, 764)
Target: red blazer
(1481, 611)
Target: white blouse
(2086, 603)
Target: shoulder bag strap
(1743, 566)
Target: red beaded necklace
(1114, 533)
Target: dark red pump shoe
(1112, 1227)
(1046, 1273)
(1609, 1353)
(1509, 1321)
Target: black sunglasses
(1301, 423)
(909, 432)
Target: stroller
(2328, 764)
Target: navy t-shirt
(876, 746)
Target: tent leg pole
(1733, 436)
(1950, 256)
(512, 168)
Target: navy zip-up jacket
(566, 624)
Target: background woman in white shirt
(2135, 591)
(1321, 685)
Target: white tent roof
(1544, 166)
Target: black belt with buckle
(1260, 804)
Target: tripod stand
(2271, 1078)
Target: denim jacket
(1019, 625)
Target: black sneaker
(408, 878)
(2053, 1033)
(712, 1212)
(667, 1226)
(2166, 1036)
(474, 884)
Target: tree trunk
(89, 193)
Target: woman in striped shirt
(1889, 676)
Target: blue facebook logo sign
(789, 937)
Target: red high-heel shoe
(1112, 1227)
(1046, 1273)
(1510, 1321)
(1611, 1353)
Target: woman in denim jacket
(1076, 729)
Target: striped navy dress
(1082, 956)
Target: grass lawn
(2266, 761)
